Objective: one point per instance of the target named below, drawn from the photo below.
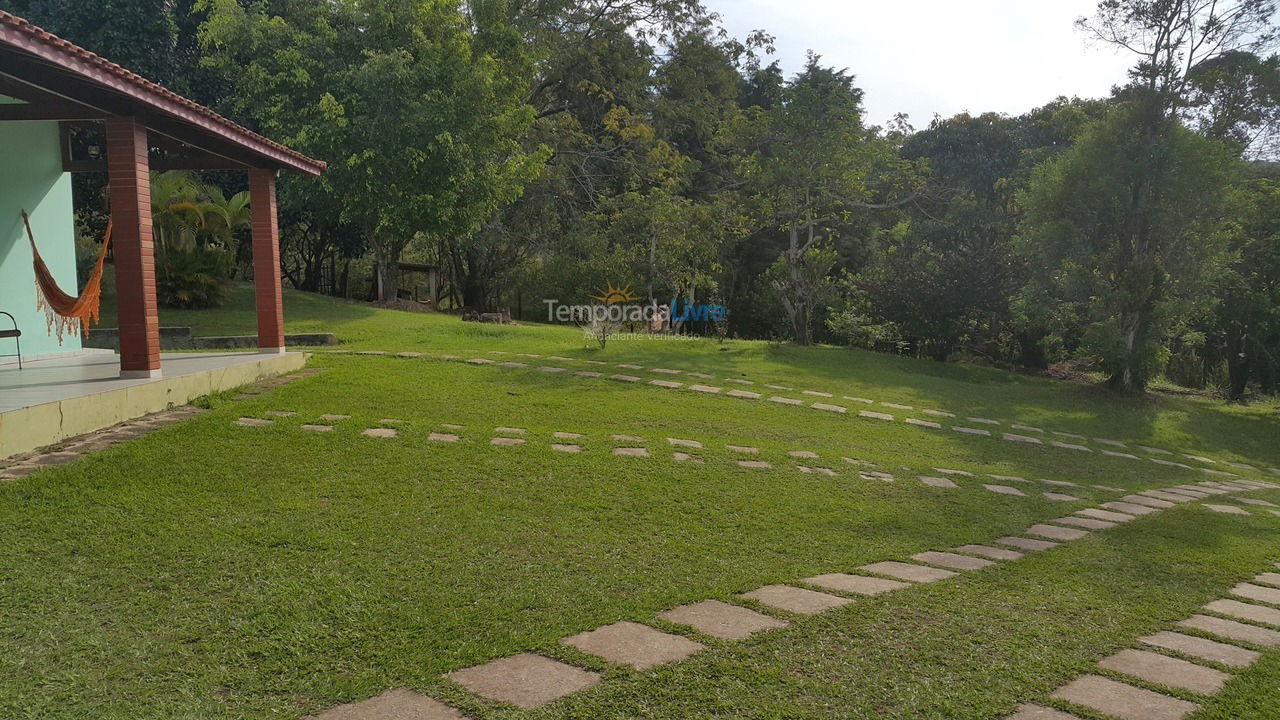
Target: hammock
(67, 313)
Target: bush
(193, 278)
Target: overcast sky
(924, 57)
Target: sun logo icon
(613, 295)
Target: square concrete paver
(951, 560)
(994, 553)
(1232, 630)
(1268, 578)
(1054, 532)
(318, 428)
(1123, 701)
(1108, 515)
(1127, 507)
(628, 438)
(1167, 671)
(379, 433)
(1148, 501)
(393, 705)
(1163, 495)
(1257, 592)
(1004, 490)
(923, 423)
(1210, 650)
(1245, 611)
(442, 437)
(746, 394)
(829, 408)
(631, 452)
(526, 680)
(756, 464)
(1039, 712)
(589, 374)
(252, 422)
(1089, 523)
(818, 393)
(907, 571)
(510, 431)
(560, 435)
(639, 646)
(785, 401)
(722, 620)
(684, 443)
(1027, 543)
(666, 384)
(330, 417)
(561, 447)
(710, 389)
(875, 415)
(1226, 509)
(857, 584)
(939, 482)
(1060, 497)
(625, 378)
(796, 600)
(506, 441)
(686, 457)
(744, 449)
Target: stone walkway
(1194, 659)
(1027, 435)
(528, 680)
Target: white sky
(924, 57)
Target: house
(65, 110)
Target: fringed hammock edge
(67, 313)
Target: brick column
(129, 180)
(266, 260)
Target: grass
(215, 571)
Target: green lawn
(216, 571)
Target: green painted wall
(31, 177)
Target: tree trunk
(387, 270)
(1238, 365)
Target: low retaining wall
(180, 338)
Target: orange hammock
(67, 313)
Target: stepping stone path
(1245, 611)
(796, 600)
(638, 646)
(785, 401)
(722, 620)
(855, 584)
(330, 417)
(1088, 523)
(665, 383)
(1104, 515)
(379, 433)
(1057, 533)
(252, 422)
(875, 415)
(558, 447)
(923, 423)
(756, 464)
(816, 393)
(526, 680)
(393, 705)
(971, 431)
(803, 454)
(510, 431)
(1257, 592)
(990, 552)
(1226, 509)
(746, 394)
(280, 413)
(897, 406)
(631, 452)
(1027, 543)
(1060, 497)
(711, 389)
(952, 561)
(1123, 701)
(560, 435)
(1208, 650)
(442, 437)
(1163, 670)
(829, 408)
(628, 438)
(684, 443)
(907, 571)
(1126, 507)
(1232, 630)
(686, 457)
(937, 482)
(1004, 490)
(318, 428)
(506, 441)
(744, 449)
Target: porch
(53, 399)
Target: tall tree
(417, 105)
(1172, 39)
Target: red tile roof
(69, 57)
